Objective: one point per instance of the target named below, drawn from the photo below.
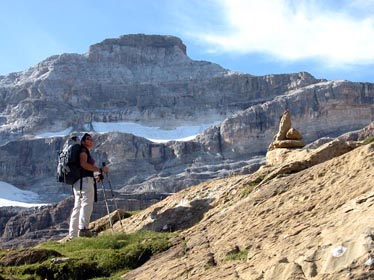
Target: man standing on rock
(84, 190)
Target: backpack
(68, 167)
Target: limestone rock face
(322, 111)
(137, 164)
(310, 224)
(147, 79)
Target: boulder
(288, 144)
(284, 126)
(293, 134)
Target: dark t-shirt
(90, 160)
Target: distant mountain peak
(118, 48)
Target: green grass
(368, 140)
(103, 257)
(247, 189)
(237, 255)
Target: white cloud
(293, 30)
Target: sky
(330, 39)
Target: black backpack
(68, 167)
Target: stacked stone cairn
(287, 136)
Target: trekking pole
(114, 199)
(107, 207)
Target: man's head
(87, 141)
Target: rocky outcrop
(31, 226)
(6, 213)
(359, 135)
(313, 156)
(28, 257)
(310, 224)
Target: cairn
(287, 136)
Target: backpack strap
(80, 189)
(81, 179)
(95, 187)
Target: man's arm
(90, 167)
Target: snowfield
(154, 134)
(12, 196)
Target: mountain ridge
(80, 93)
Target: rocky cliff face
(323, 109)
(137, 164)
(148, 79)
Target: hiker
(84, 190)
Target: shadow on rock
(183, 216)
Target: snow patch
(185, 203)
(12, 196)
(155, 134)
(338, 251)
(369, 262)
(54, 134)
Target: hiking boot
(84, 233)
(65, 239)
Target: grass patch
(237, 255)
(247, 189)
(368, 140)
(107, 256)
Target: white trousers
(83, 205)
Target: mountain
(149, 80)
(140, 78)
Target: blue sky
(328, 38)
